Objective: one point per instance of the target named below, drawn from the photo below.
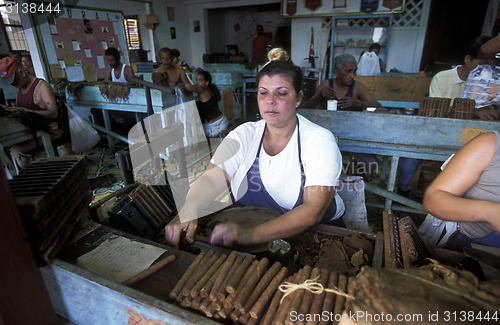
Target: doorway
(450, 29)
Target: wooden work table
(86, 298)
(398, 136)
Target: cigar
(186, 302)
(222, 275)
(317, 302)
(305, 306)
(244, 318)
(247, 289)
(210, 311)
(261, 285)
(149, 271)
(261, 303)
(205, 264)
(298, 295)
(284, 307)
(196, 304)
(228, 303)
(207, 287)
(235, 315)
(238, 274)
(330, 297)
(340, 300)
(275, 304)
(178, 287)
(206, 277)
(222, 291)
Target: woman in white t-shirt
(284, 162)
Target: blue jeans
(460, 241)
(215, 128)
(406, 170)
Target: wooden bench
(396, 88)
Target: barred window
(13, 28)
(132, 32)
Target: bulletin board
(311, 8)
(74, 41)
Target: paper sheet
(75, 73)
(119, 258)
(53, 29)
(100, 62)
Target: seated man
(34, 95)
(351, 95)
(448, 84)
(117, 71)
(468, 191)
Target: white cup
(331, 105)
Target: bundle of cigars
(239, 289)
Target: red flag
(311, 50)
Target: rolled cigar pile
(229, 286)
(434, 107)
(246, 291)
(307, 307)
(463, 108)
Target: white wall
(405, 44)
(182, 25)
(134, 8)
(247, 21)
(197, 10)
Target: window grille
(13, 28)
(132, 33)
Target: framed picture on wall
(170, 14)
(196, 26)
(339, 3)
(172, 33)
(328, 8)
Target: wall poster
(74, 41)
(310, 8)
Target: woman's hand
(228, 234)
(174, 229)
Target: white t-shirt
(319, 152)
(122, 78)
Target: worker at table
(34, 95)
(283, 162)
(169, 74)
(351, 95)
(468, 191)
(117, 71)
(213, 121)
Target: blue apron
(257, 194)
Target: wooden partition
(396, 88)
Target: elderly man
(169, 74)
(34, 95)
(350, 94)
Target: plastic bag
(436, 232)
(369, 65)
(83, 135)
(483, 85)
(352, 191)
(187, 114)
